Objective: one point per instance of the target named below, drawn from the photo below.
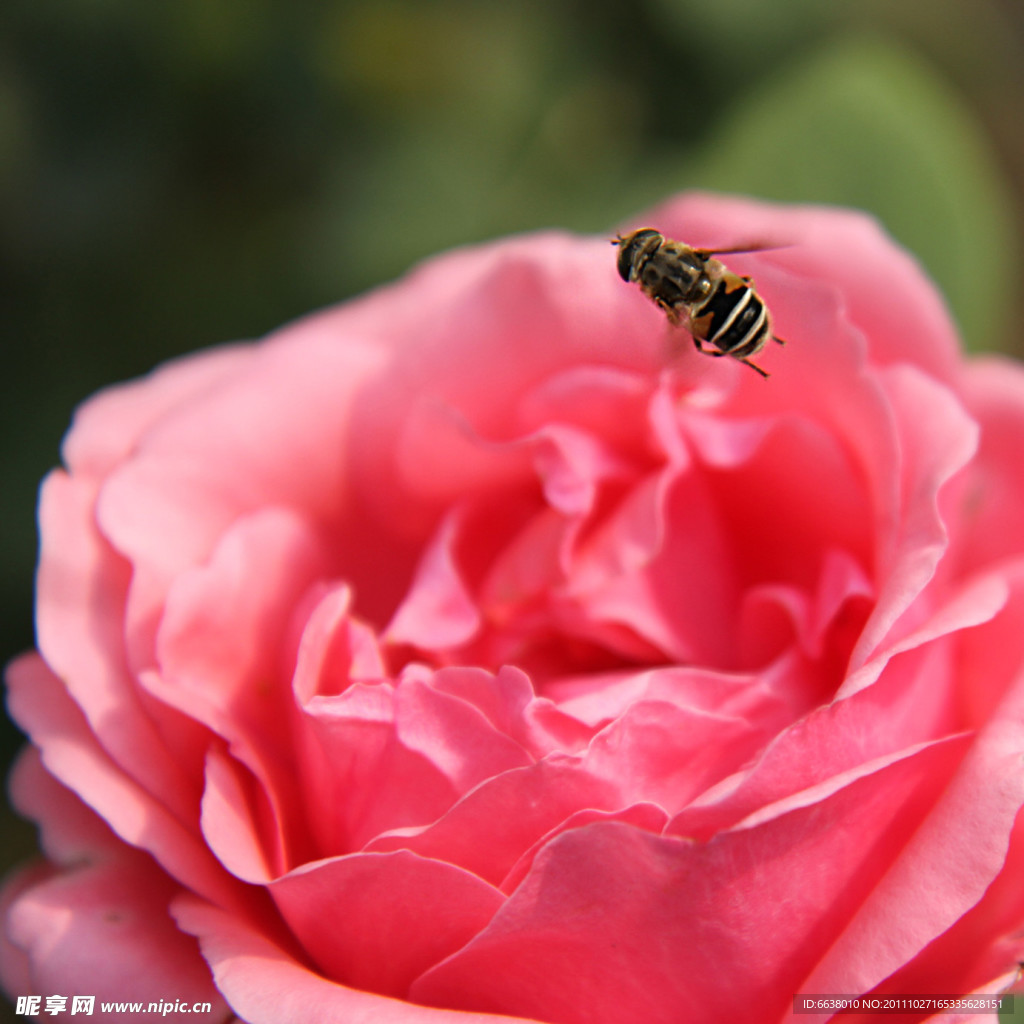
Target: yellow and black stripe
(733, 319)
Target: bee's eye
(625, 262)
(630, 250)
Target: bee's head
(632, 249)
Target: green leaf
(865, 123)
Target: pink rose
(462, 650)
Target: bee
(719, 308)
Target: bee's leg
(669, 311)
(778, 341)
(753, 366)
(699, 346)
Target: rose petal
(599, 698)
(937, 439)
(15, 963)
(41, 706)
(645, 817)
(452, 734)
(665, 755)
(990, 526)
(910, 698)
(333, 649)
(438, 611)
(782, 522)
(671, 587)
(517, 312)
(82, 591)
(971, 954)
(974, 601)
(601, 401)
(617, 925)
(990, 654)
(571, 464)
(219, 650)
(507, 700)
(487, 830)
(954, 857)
(359, 779)
(348, 912)
(266, 985)
(69, 831)
(164, 509)
(103, 929)
(222, 628)
(107, 427)
(238, 823)
(526, 572)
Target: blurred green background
(177, 174)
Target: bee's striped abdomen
(734, 319)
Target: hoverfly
(719, 308)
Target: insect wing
(745, 248)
